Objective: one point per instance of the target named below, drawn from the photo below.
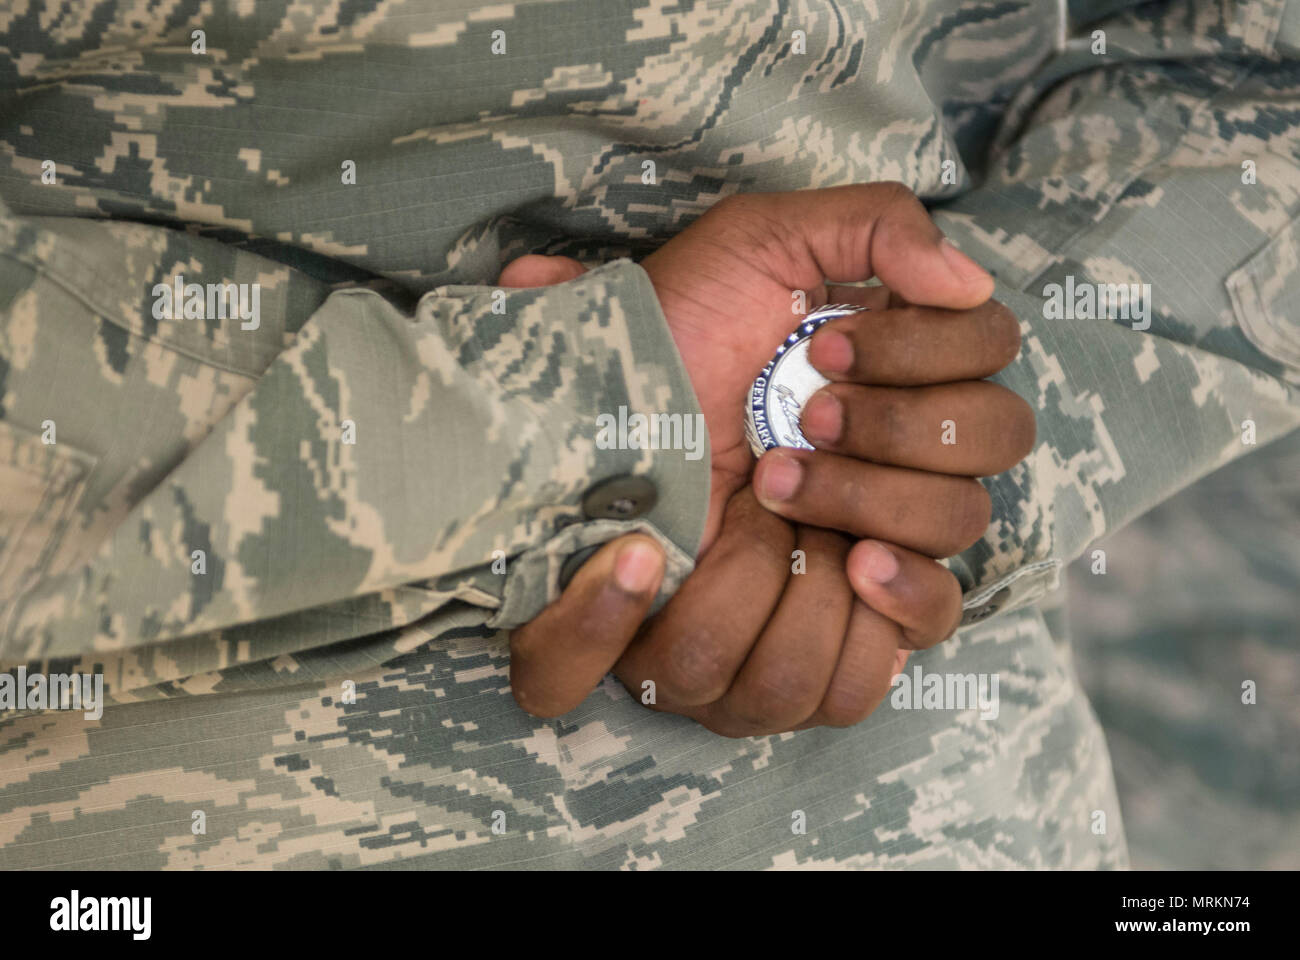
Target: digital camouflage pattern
(369, 565)
(1205, 780)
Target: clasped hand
(756, 642)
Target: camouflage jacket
(275, 530)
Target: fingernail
(823, 418)
(960, 264)
(781, 477)
(636, 567)
(831, 352)
(878, 562)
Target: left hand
(880, 469)
(729, 283)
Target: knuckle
(758, 531)
(539, 705)
(695, 669)
(731, 727)
(908, 317)
(893, 192)
(899, 338)
(893, 419)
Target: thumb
(559, 656)
(855, 232)
(537, 270)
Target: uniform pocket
(1265, 294)
(40, 484)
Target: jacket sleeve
(1141, 220)
(215, 494)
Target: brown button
(620, 498)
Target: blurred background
(1201, 594)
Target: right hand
(726, 286)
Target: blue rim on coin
(784, 386)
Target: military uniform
(1197, 687)
(279, 538)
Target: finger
(537, 270)
(974, 428)
(917, 593)
(913, 345)
(784, 679)
(934, 514)
(560, 656)
(694, 646)
(866, 667)
(858, 231)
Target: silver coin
(784, 386)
